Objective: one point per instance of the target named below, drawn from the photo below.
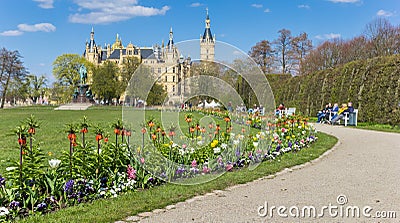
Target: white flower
(224, 145)
(236, 142)
(102, 192)
(4, 211)
(258, 136)
(217, 150)
(181, 152)
(174, 145)
(191, 150)
(200, 143)
(255, 144)
(11, 168)
(303, 132)
(299, 127)
(54, 163)
(115, 195)
(232, 134)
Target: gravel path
(364, 167)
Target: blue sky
(41, 30)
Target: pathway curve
(364, 167)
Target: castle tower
(92, 51)
(207, 42)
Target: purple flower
(290, 144)
(14, 204)
(41, 206)
(238, 153)
(2, 181)
(278, 147)
(69, 186)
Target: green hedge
(372, 85)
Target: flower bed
(98, 168)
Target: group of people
(331, 114)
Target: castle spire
(207, 36)
(171, 39)
(207, 41)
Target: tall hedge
(372, 85)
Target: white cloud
(40, 27)
(384, 13)
(11, 33)
(43, 27)
(328, 36)
(196, 4)
(344, 1)
(104, 11)
(257, 5)
(303, 6)
(267, 10)
(46, 4)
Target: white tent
(204, 104)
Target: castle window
(173, 78)
(173, 70)
(173, 88)
(166, 78)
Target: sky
(41, 30)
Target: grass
(379, 127)
(51, 134)
(158, 197)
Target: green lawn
(51, 134)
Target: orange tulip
(153, 136)
(31, 131)
(99, 137)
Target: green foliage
(66, 70)
(106, 82)
(157, 95)
(372, 85)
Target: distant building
(165, 61)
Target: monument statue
(83, 74)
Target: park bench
(350, 118)
(287, 112)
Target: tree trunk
(3, 98)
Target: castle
(165, 62)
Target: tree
(283, 50)
(17, 91)
(157, 95)
(66, 70)
(382, 35)
(11, 69)
(301, 46)
(106, 82)
(36, 87)
(262, 54)
(129, 67)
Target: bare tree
(382, 35)
(283, 50)
(262, 54)
(11, 68)
(301, 46)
